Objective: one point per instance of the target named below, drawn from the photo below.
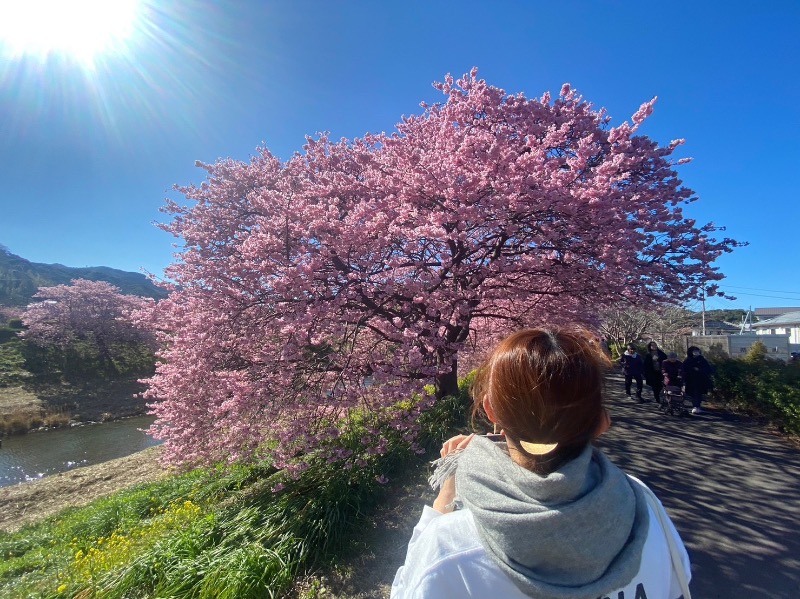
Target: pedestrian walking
(697, 377)
(605, 346)
(633, 369)
(653, 374)
(541, 512)
(673, 371)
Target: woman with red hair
(541, 513)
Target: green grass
(213, 533)
(12, 363)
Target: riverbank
(36, 404)
(30, 502)
(365, 569)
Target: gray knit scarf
(576, 533)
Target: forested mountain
(20, 278)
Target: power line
(758, 289)
(796, 299)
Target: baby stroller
(672, 401)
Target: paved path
(732, 489)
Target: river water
(35, 455)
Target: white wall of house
(793, 331)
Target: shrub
(762, 387)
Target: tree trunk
(106, 361)
(447, 383)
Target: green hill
(20, 279)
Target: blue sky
(88, 154)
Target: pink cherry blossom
(348, 278)
(94, 311)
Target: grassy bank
(47, 387)
(47, 402)
(246, 532)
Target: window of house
(772, 331)
(742, 350)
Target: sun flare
(80, 29)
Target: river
(35, 455)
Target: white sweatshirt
(446, 560)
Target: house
(716, 327)
(787, 323)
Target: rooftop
(787, 319)
(772, 312)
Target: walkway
(732, 489)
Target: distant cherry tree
(94, 312)
(358, 271)
(9, 313)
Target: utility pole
(747, 322)
(703, 298)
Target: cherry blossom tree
(91, 311)
(626, 323)
(353, 274)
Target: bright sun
(80, 29)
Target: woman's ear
(487, 407)
(604, 425)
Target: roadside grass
(245, 531)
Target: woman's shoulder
(449, 560)
(449, 535)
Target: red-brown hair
(545, 385)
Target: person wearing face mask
(653, 373)
(696, 377)
(632, 368)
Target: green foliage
(12, 363)
(8, 333)
(240, 532)
(757, 354)
(20, 360)
(760, 386)
(734, 316)
(716, 353)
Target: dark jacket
(652, 367)
(673, 373)
(632, 365)
(697, 375)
